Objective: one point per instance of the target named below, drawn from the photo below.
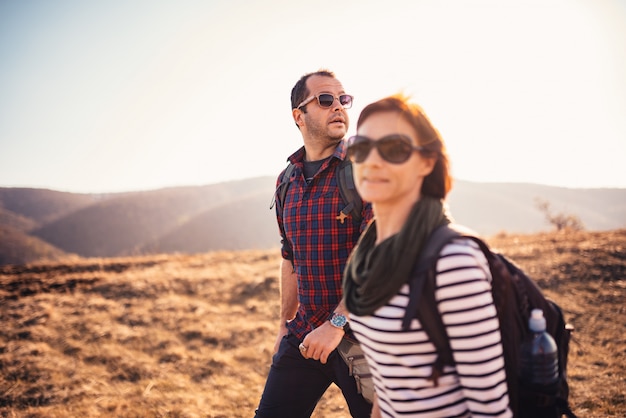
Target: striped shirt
(401, 361)
(316, 240)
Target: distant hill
(244, 224)
(23, 210)
(43, 205)
(235, 215)
(16, 221)
(125, 224)
(17, 247)
(493, 207)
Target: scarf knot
(375, 273)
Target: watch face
(339, 320)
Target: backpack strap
(281, 190)
(345, 183)
(424, 268)
(348, 191)
(279, 198)
(423, 282)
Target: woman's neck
(390, 218)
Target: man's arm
(288, 298)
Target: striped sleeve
(466, 305)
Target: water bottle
(540, 363)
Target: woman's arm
(466, 305)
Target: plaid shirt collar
(340, 152)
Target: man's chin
(337, 134)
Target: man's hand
(321, 342)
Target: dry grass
(191, 336)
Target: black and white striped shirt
(401, 361)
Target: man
(316, 242)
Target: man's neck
(317, 151)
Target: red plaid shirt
(316, 241)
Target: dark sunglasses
(326, 100)
(395, 148)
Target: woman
(401, 167)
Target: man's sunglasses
(395, 148)
(326, 100)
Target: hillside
(490, 208)
(244, 224)
(235, 215)
(191, 336)
(42, 205)
(123, 225)
(17, 247)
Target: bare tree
(561, 221)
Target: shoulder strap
(424, 268)
(348, 191)
(281, 190)
(423, 282)
(345, 182)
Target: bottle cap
(537, 322)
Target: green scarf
(375, 273)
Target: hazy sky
(120, 95)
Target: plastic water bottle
(540, 363)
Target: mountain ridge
(235, 215)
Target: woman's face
(382, 182)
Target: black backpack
(514, 295)
(349, 195)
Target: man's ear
(298, 117)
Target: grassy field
(191, 336)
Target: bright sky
(108, 96)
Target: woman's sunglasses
(395, 148)
(326, 100)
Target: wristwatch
(338, 320)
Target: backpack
(347, 189)
(514, 295)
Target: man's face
(325, 123)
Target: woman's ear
(427, 166)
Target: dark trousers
(295, 384)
